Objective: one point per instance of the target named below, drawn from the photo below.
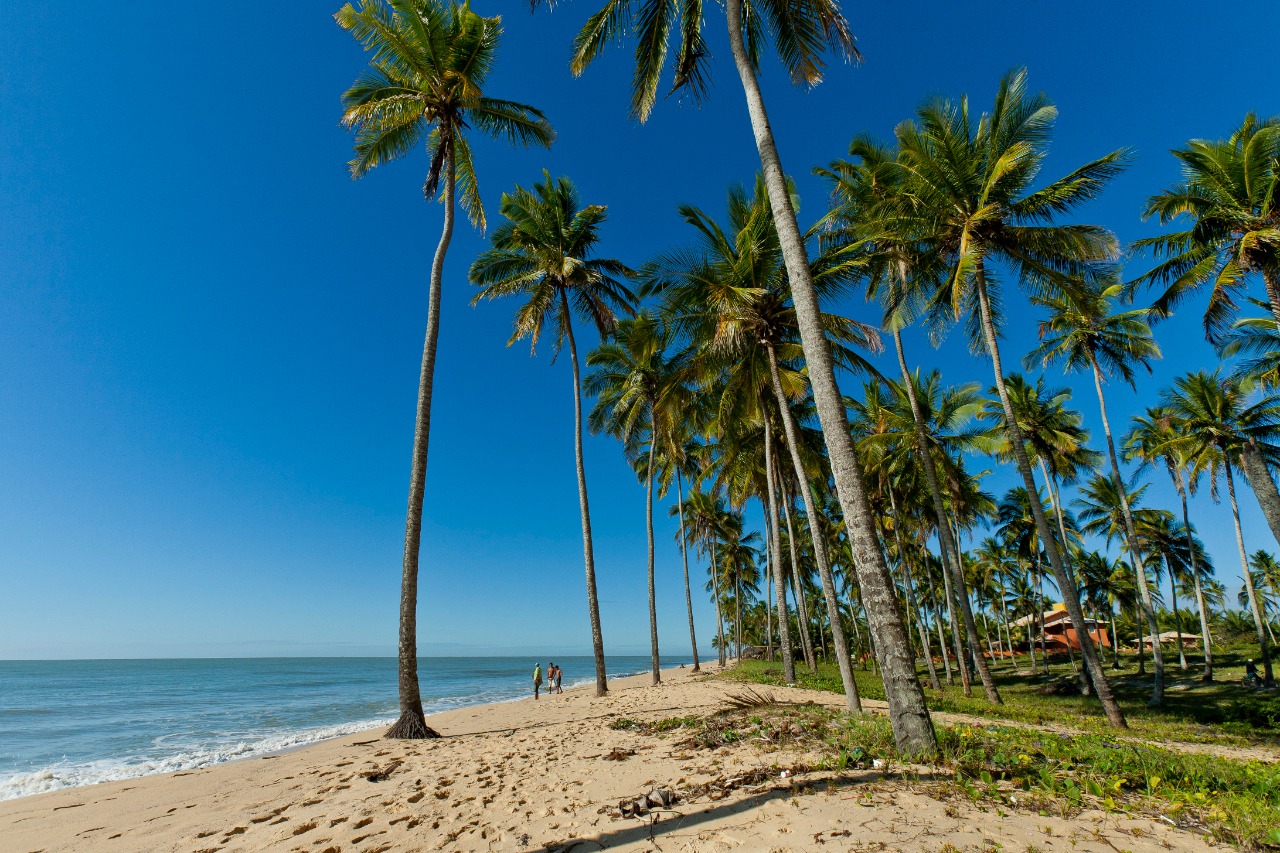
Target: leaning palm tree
(1152, 440)
(971, 200)
(1231, 194)
(639, 381)
(1258, 340)
(1083, 332)
(801, 31)
(423, 86)
(543, 254)
(1212, 414)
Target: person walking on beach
(537, 679)
(556, 674)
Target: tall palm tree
(543, 253)
(1151, 440)
(704, 512)
(1211, 412)
(801, 32)
(730, 293)
(638, 380)
(1230, 192)
(971, 190)
(424, 85)
(1183, 556)
(677, 459)
(1083, 332)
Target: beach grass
(1224, 712)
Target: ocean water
(69, 723)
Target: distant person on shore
(537, 679)
(559, 675)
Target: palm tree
(886, 259)
(730, 294)
(1231, 194)
(1265, 575)
(801, 33)
(1183, 555)
(543, 253)
(1082, 332)
(704, 513)
(676, 459)
(970, 185)
(1153, 439)
(1210, 411)
(424, 85)
(1258, 339)
(639, 382)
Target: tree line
(716, 364)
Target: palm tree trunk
(1177, 624)
(779, 581)
(819, 547)
(1264, 488)
(684, 556)
(909, 590)
(1115, 643)
(1176, 474)
(820, 556)
(768, 591)
(737, 616)
(1157, 653)
(588, 554)
(942, 643)
(1269, 678)
(912, 726)
(949, 547)
(653, 601)
(715, 585)
(1008, 635)
(412, 724)
(802, 606)
(1069, 595)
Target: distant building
(1059, 634)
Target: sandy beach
(548, 775)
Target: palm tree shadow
(694, 815)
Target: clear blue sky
(209, 335)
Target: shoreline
(545, 775)
(108, 770)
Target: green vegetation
(1223, 712)
(1007, 767)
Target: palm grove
(715, 363)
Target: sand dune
(546, 775)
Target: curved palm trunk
(779, 582)
(412, 722)
(684, 556)
(949, 546)
(1070, 597)
(802, 606)
(1157, 653)
(1258, 621)
(1264, 488)
(820, 556)
(653, 600)
(912, 727)
(588, 554)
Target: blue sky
(210, 334)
